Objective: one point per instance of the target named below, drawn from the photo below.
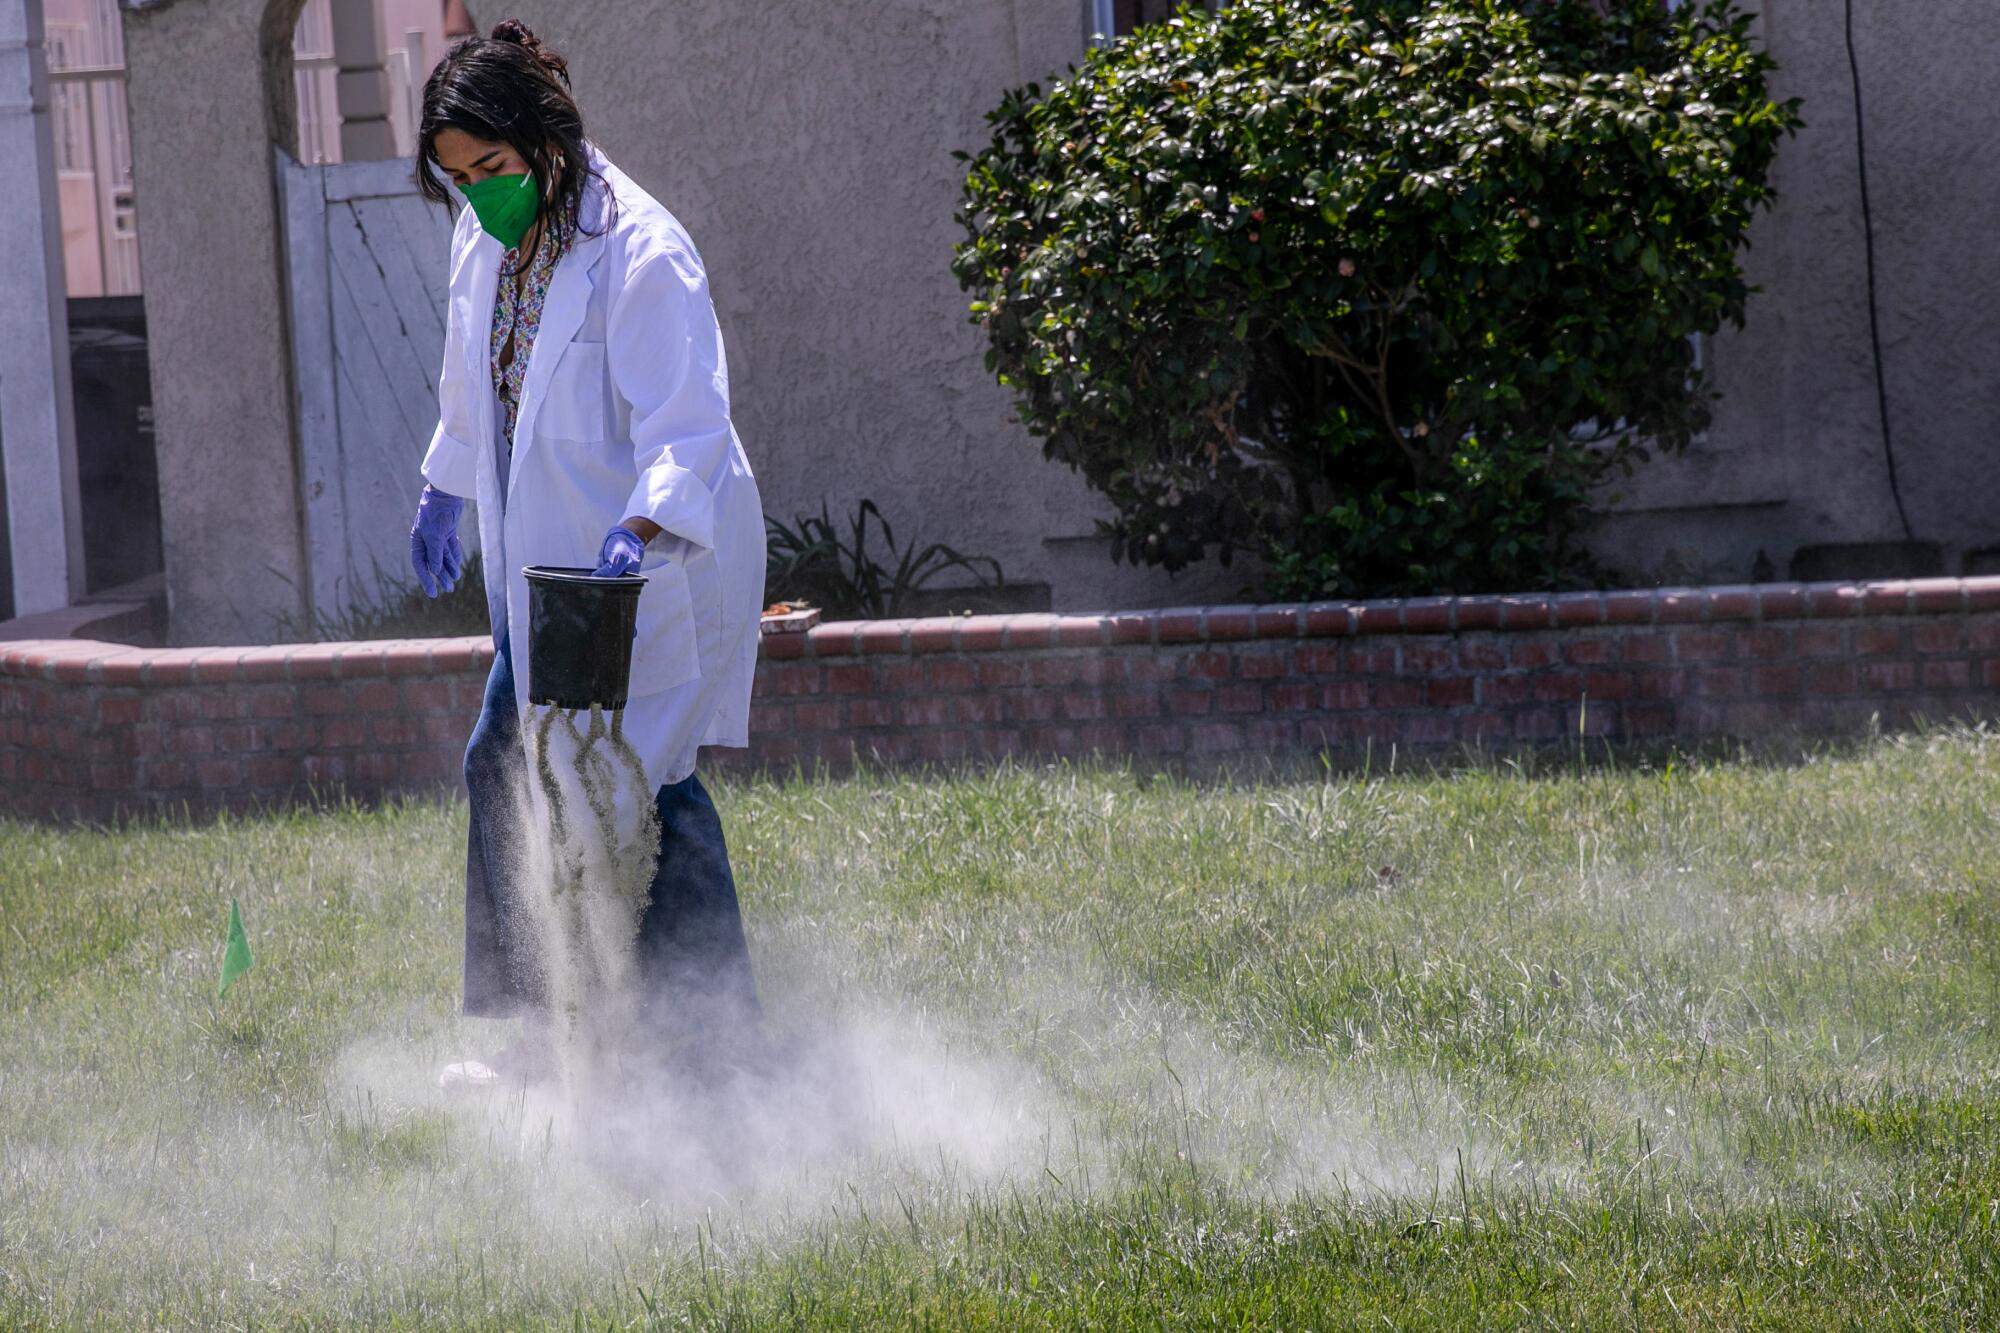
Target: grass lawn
(1706, 1044)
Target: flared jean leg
(694, 961)
(699, 995)
(495, 959)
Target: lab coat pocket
(573, 406)
(664, 654)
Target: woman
(584, 403)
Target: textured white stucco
(808, 149)
(1795, 456)
(204, 116)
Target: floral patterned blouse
(520, 316)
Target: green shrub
(1378, 291)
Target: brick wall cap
(316, 661)
(68, 660)
(834, 638)
(875, 637)
(472, 652)
(170, 666)
(77, 660)
(217, 666)
(23, 657)
(404, 657)
(273, 652)
(126, 668)
(1180, 624)
(934, 634)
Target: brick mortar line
(806, 678)
(1743, 677)
(401, 709)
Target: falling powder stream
(586, 880)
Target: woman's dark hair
(511, 89)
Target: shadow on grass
(1542, 762)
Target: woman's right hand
(435, 554)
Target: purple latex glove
(621, 553)
(435, 553)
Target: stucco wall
(203, 119)
(808, 148)
(810, 155)
(1795, 455)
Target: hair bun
(521, 35)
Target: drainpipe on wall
(1103, 23)
(44, 526)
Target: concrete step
(134, 613)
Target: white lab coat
(624, 411)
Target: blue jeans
(698, 995)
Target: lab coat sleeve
(451, 465)
(665, 355)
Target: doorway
(117, 476)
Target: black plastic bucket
(580, 636)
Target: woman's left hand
(621, 553)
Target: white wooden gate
(366, 259)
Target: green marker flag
(236, 958)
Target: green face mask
(504, 205)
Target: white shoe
(468, 1074)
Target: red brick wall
(97, 730)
